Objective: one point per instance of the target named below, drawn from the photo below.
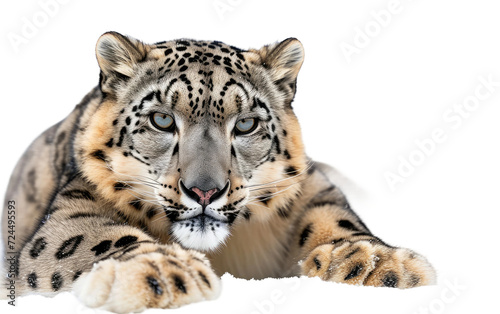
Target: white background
(359, 116)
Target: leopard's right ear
(117, 56)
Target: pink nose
(204, 195)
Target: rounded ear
(117, 54)
(283, 60)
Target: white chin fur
(193, 234)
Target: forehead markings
(204, 53)
(180, 54)
(231, 82)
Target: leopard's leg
(332, 243)
(112, 266)
(336, 246)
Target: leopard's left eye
(246, 126)
(162, 121)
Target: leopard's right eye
(163, 121)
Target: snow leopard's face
(199, 130)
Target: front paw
(370, 263)
(168, 278)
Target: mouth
(202, 222)
(201, 232)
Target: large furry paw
(168, 278)
(368, 263)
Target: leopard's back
(45, 166)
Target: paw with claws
(166, 278)
(370, 263)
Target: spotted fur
(116, 207)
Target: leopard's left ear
(283, 60)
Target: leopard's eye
(162, 121)
(245, 126)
